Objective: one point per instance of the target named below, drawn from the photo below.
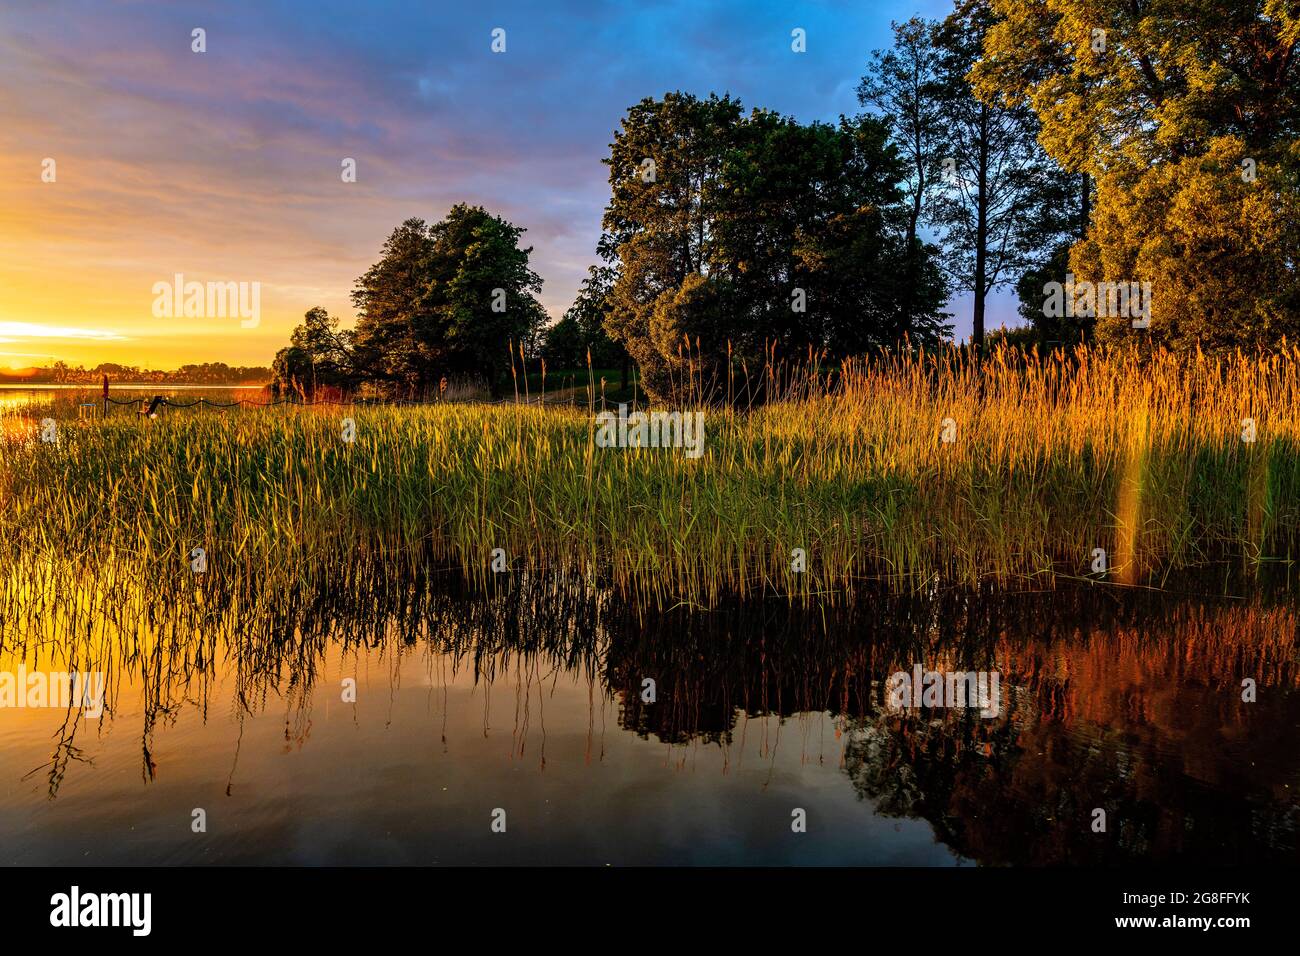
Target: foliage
(1005, 201)
(446, 299)
(580, 336)
(1186, 112)
(733, 234)
(318, 354)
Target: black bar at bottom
(216, 905)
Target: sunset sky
(225, 165)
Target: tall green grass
(1050, 459)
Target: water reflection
(531, 698)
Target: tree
(564, 346)
(291, 372)
(663, 169)
(318, 354)
(581, 332)
(905, 85)
(1052, 331)
(1186, 116)
(728, 234)
(1003, 196)
(1220, 253)
(446, 299)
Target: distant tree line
(204, 373)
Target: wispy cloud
(20, 331)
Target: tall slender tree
(905, 85)
(1001, 192)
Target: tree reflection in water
(1124, 700)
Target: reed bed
(1048, 459)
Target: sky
(226, 165)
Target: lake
(15, 397)
(517, 726)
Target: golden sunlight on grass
(1048, 463)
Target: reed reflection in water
(530, 699)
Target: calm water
(530, 701)
(17, 397)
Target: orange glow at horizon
(153, 177)
(78, 263)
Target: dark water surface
(530, 701)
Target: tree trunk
(915, 216)
(981, 235)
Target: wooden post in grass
(105, 394)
